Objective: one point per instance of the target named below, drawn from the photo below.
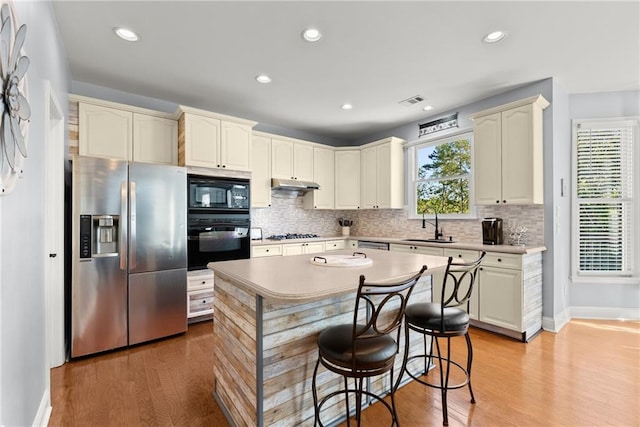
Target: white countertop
(296, 279)
(476, 246)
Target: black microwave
(210, 194)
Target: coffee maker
(492, 231)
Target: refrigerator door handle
(123, 226)
(132, 231)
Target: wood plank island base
(267, 315)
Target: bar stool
(444, 320)
(366, 347)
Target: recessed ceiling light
(346, 106)
(311, 34)
(428, 107)
(263, 78)
(494, 36)
(126, 34)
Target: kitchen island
(267, 315)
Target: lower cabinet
(302, 248)
(507, 297)
(199, 295)
(335, 245)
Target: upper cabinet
(291, 160)
(122, 132)
(105, 132)
(260, 172)
(347, 184)
(323, 175)
(382, 175)
(508, 153)
(155, 139)
(214, 141)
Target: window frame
(608, 277)
(413, 180)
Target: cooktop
(291, 236)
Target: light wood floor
(586, 375)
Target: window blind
(605, 197)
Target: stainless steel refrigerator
(129, 254)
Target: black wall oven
(218, 220)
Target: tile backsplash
(288, 216)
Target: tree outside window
(443, 176)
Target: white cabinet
(334, 245)
(501, 299)
(206, 140)
(260, 172)
(155, 139)
(291, 160)
(105, 132)
(382, 175)
(347, 185)
(323, 175)
(302, 248)
(266, 250)
(121, 134)
(200, 285)
(508, 144)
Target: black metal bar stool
(444, 320)
(367, 347)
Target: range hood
(293, 185)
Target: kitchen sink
(429, 240)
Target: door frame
(54, 226)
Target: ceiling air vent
(411, 101)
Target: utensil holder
(345, 231)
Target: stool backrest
(380, 300)
(459, 280)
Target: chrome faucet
(438, 232)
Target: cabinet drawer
(268, 250)
(495, 259)
(428, 250)
(465, 254)
(334, 245)
(200, 303)
(199, 280)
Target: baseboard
(554, 324)
(44, 410)
(605, 313)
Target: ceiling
(206, 54)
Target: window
(605, 197)
(442, 177)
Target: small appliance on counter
(492, 231)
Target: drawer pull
(203, 282)
(459, 255)
(499, 259)
(267, 250)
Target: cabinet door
(347, 186)
(155, 139)
(368, 174)
(324, 175)
(261, 172)
(466, 256)
(202, 141)
(303, 162)
(313, 248)
(487, 166)
(235, 146)
(282, 159)
(105, 132)
(501, 297)
(292, 249)
(521, 165)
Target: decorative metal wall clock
(14, 106)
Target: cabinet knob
(504, 201)
(203, 282)
(267, 250)
(499, 259)
(481, 269)
(497, 201)
(459, 255)
(218, 165)
(224, 166)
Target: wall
(24, 371)
(609, 300)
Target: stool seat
(431, 316)
(336, 345)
